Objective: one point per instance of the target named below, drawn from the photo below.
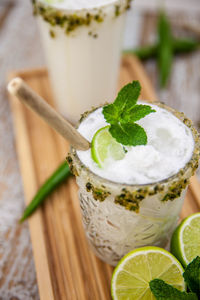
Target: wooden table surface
(20, 48)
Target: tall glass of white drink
(82, 41)
(136, 201)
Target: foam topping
(77, 4)
(170, 146)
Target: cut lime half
(104, 146)
(185, 242)
(133, 273)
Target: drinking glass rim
(190, 166)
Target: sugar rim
(190, 166)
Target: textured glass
(119, 217)
(112, 230)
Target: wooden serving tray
(66, 267)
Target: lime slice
(104, 146)
(53, 1)
(185, 242)
(133, 273)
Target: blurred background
(20, 48)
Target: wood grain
(5, 9)
(66, 267)
(18, 88)
(36, 223)
(195, 190)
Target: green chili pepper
(60, 174)
(151, 51)
(165, 49)
(145, 52)
(185, 45)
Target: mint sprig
(164, 291)
(124, 112)
(192, 275)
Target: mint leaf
(192, 275)
(136, 113)
(124, 112)
(129, 134)
(128, 96)
(164, 291)
(111, 113)
(126, 99)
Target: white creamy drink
(169, 147)
(82, 41)
(136, 201)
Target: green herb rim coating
(128, 195)
(71, 21)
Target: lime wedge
(104, 146)
(53, 1)
(185, 242)
(133, 273)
